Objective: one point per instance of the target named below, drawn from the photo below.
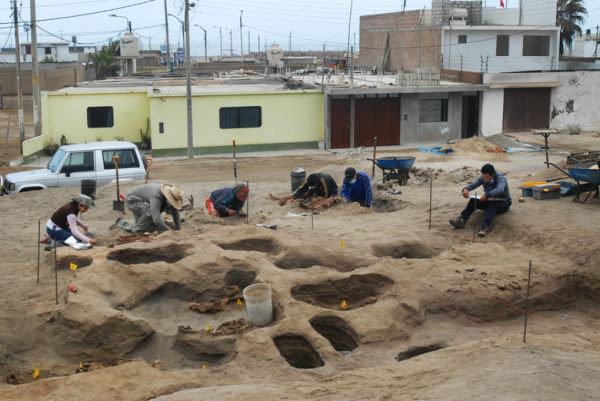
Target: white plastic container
(259, 306)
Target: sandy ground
(369, 304)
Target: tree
(570, 15)
(105, 61)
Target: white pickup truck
(73, 163)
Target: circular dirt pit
(302, 260)
(298, 352)
(339, 333)
(132, 256)
(345, 294)
(240, 278)
(405, 249)
(266, 245)
(79, 261)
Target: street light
(230, 42)
(122, 16)
(182, 28)
(205, 55)
(220, 39)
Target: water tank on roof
(130, 45)
(458, 16)
(274, 55)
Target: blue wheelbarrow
(589, 177)
(395, 167)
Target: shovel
(118, 205)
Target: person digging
(226, 202)
(147, 203)
(495, 200)
(357, 187)
(63, 226)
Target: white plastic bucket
(259, 306)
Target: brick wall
(461, 76)
(50, 79)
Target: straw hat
(173, 194)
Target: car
(73, 163)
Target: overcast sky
(312, 22)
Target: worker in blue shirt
(357, 187)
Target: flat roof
(382, 90)
(524, 28)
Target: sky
(312, 22)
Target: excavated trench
(298, 351)
(266, 245)
(132, 256)
(300, 259)
(419, 350)
(405, 249)
(339, 333)
(78, 261)
(344, 294)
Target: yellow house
(257, 117)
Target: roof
(521, 28)
(98, 145)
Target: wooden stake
(430, 199)
(475, 225)
(374, 156)
(527, 304)
(38, 251)
(55, 273)
(312, 219)
(234, 164)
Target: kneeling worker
(147, 202)
(65, 224)
(227, 201)
(316, 185)
(357, 187)
(495, 200)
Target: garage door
(526, 109)
(377, 117)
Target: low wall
(574, 103)
(33, 147)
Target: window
(462, 39)
(27, 49)
(47, 50)
(100, 117)
(502, 45)
(433, 110)
(78, 162)
(536, 45)
(127, 158)
(240, 117)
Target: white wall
(482, 43)
(499, 16)
(580, 87)
(492, 112)
(538, 12)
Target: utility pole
(241, 38)
(249, 44)
(349, 26)
(258, 45)
(230, 42)
(220, 40)
(205, 48)
(597, 39)
(169, 64)
(290, 43)
(19, 88)
(188, 82)
(35, 73)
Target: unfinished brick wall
(461, 76)
(50, 79)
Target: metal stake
(475, 225)
(527, 304)
(55, 273)
(38, 251)
(430, 199)
(234, 164)
(374, 156)
(248, 203)
(312, 220)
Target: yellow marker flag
(36, 373)
(80, 365)
(342, 243)
(208, 328)
(343, 305)
(204, 366)
(72, 266)
(239, 302)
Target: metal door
(377, 117)
(340, 123)
(526, 109)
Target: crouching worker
(316, 185)
(64, 224)
(227, 201)
(147, 203)
(495, 200)
(357, 187)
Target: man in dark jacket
(357, 187)
(316, 184)
(227, 201)
(495, 199)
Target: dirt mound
(410, 249)
(302, 259)
(474, 144)
(298, 352)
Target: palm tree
(105, 61)
(570, 15)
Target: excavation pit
(133, 256)
(265, 245)
(240, 278)
(302, 260)
(419, 350)
(79, 261)
(298, 351)
(386, 205)
(405, 249)
(339, 333)
(345, 294)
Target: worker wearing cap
(357, 187)
(227, 201)
(147, 203)
(317, 184)
(65, 224)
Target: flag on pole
(501, 3)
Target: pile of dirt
(548, 174)
(474, 144)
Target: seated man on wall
(227, 201)
(357, 187)
(495, 199)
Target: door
(377, 117)
(76, 167)
(526, 109)
(470, 116)
(340, 123)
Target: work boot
(484, 230)
(458, 222)
(115, 224)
